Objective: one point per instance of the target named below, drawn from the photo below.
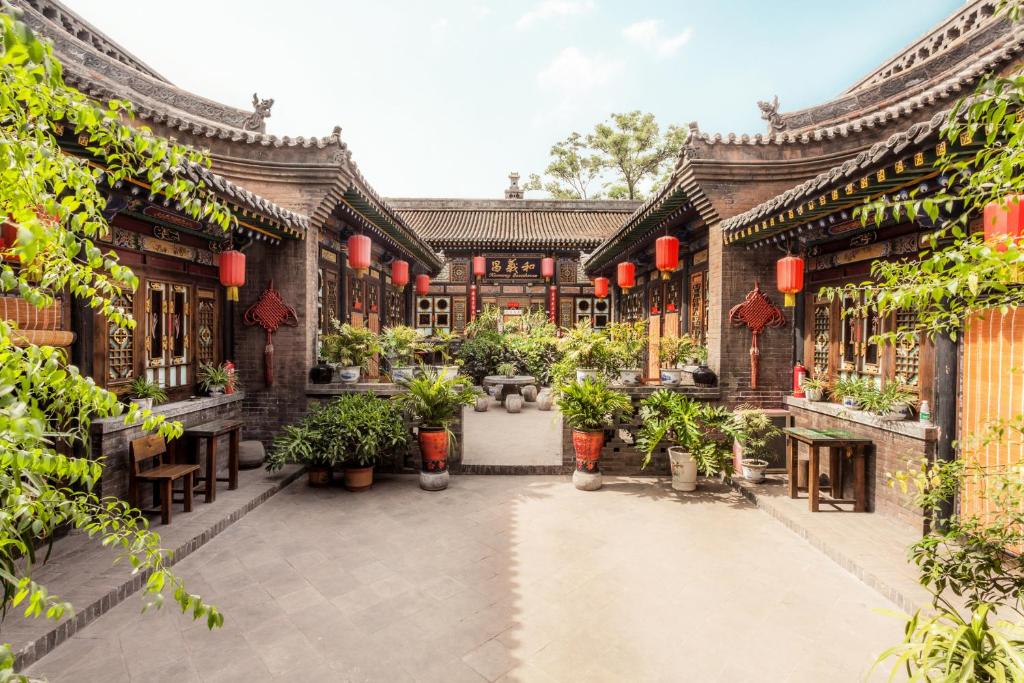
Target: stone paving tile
(498, 437)
(507, 579)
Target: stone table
(509, 386)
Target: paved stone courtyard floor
(510, 578)
(497, 437)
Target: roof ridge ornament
(770, 113)
(260, 114)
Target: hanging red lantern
(666, 252)
(479, 266)
(789, 273)
(359, 247)
(399, 273)
(626, 276)
(547, 267)
(232, 272)
(601, 287)
(1004, 219)
(8, 233)
(422, 284)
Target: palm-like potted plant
(585, 349)
(672, 353)
(213, 379)
(892, 402)
(350, 348)
(399, 345)
(434, 402)
(146, 394)
(627, 343)
(815, 387)
(702, 435)
(588, 406)
(851, 390)
(755, 433)
(445, 344)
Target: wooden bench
(161, 475)
(208, 432)
(842, 445)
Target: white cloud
(554, 8)
(648, 34)
(439, 25)
(575, 71)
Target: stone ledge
(173, 410)
(923, 431)
(337, 389)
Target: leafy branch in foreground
(56, 203)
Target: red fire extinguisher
(799, 375)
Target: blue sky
(444, 98)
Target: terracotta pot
(588, 449)
(319, 476)
(433, 449)
(358, 478)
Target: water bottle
(926, 412)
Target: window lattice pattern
(205, 325)
(822, 336)
(120, 347)
(907, 348)
(633, 305)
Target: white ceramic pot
(671, 377)
(215, 389)
(684, 469)
(630, 377)
(348, 375)
(143, 403)
(899, 411)
(402, 373)
(753, 469)
(851, 402)
(814, 394)
(583, 373)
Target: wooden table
(841, 444)
(209, 432)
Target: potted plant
(445, 344)
(627, 343)
(354, 430)
(350, 348)
(893, 402)
(703, 376)
(586, 350)
(145, 393)
(507, 369)
(851, 389)
(702, 436)
(434, 401)
(755, 433)
(213, 379)
(588, 406)
(815, 388)
(399, 345)
(672, 352)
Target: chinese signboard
(513, 268)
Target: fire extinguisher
(799, 375)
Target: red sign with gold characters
(513, 268)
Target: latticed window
(120, 346)
(168, 317)
(907, 355)
(822, 336)
(206, 326)
(699, 306)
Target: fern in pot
(672, 353)
(145, 393)
(434, 402)
(399, 345)
(213, 379)
(350, 349)
(585, 350)
(627, 343)
(815, 388)
(701, 434)
(588, 407)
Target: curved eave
(396, 233)
(562, 244)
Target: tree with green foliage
(629, 153)
(56, 200)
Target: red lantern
(400, 273)
(1004, 219)
(626, 276)
(479, 266)
(601, 287)
(547, 268)
(789, 272)
(422, 284)
(232, 272)
(8, 233)
(359, 247)
(666, 251)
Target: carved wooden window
(698, 291)
(120, 344)
(858, 353)
(673, 294)
(433, 314)
(168, 320)
(372, 296)
(656, 298)
(591, 311)
(906, 363)
(356, 295)
(394, 306)
(206, 326)
(565, 309)
(633, 305)
(459, 314)
(567, 272)
(822, 336)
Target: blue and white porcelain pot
(348, 375)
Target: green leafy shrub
(142, 388)
(591, 405)
(675, 351)
(703, 430)
(349, 346)
(434, 401)
(399, 344)
(213, 377)
(627, 343)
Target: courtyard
(510, 578)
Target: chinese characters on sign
(513, 268)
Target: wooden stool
(209, 432)
(161, 475)
(842, 445)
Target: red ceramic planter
(358, 478)
(434, 449)
(588, 449)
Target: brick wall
(733, 272)
(110, 438)
(891, 452)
